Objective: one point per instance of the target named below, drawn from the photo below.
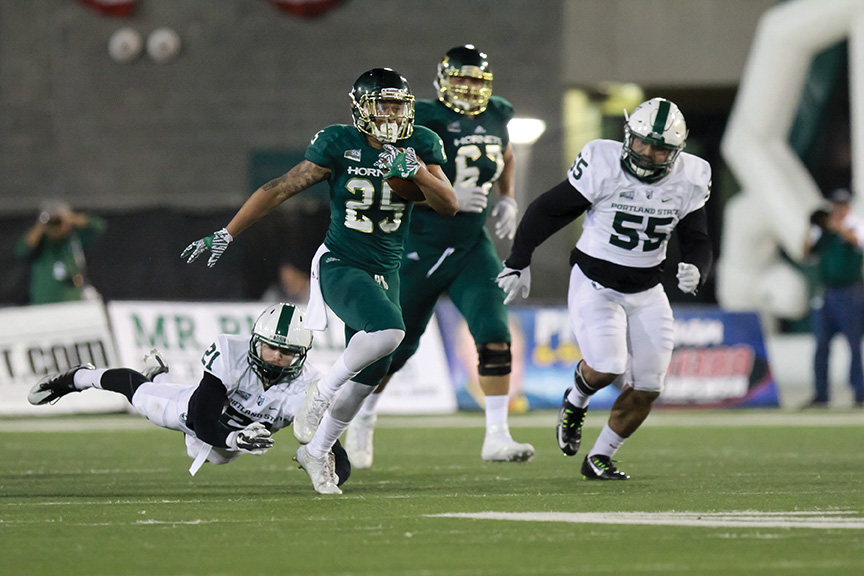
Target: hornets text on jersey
(475, 148)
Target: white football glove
(386, 157)
(396, 164)
(688, 278)
(471, 198)
(505, 211)
(254, 439)
(513, 282)
(216, 243)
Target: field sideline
(749, 492)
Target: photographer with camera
(54, 247)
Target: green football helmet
(382, 105)
(660, 123)
(464, 62)
(280, 326)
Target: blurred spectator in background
(292, 285)
(837, 238)
(54, 246)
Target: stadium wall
(164, 151)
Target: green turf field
(722, 494)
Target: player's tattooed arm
(273, 193)
(299, 178)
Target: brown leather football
(406, 189)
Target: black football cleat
(599, 467)
(54, 386)
(569, 428)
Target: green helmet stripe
(284, 323)
(662, 116)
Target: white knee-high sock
(496, 413)
(85, 379)
(325, 437)
(370, 405)
(338, 374)
(363, 349)
(607, 443)
(577, 398)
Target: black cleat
(569, 429)
(599, 467)
(54, 386)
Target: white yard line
(748, 519)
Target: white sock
(362, 350)
(577, 398)
(325, 437)
(84, 379)
(607, 443)
(496, 414)
(334, 379)
(370, 405)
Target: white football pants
(166, 405)
(612, 327)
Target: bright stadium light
(525, 130)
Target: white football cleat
(498, 446)
(309, 415)
(154, 365)
(322, 471)
(358, 440)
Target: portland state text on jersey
(645, 209)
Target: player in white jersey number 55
(251, 388)
(633, 195)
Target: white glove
(396, 164)
(254, 439)
(471, 198)
(513, 282)
(506, 211)
(688, 278)
(216, 243)
(386, 157)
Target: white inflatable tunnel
(778, 193)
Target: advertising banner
(719, 360)
(182, 331)
(40, 340)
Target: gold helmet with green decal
(382, 105)
(464, 80)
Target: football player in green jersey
(457, 255)
(355, 272)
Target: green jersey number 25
(355, 209)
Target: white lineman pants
(612, 327)
(166, 405)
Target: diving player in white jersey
(250, 389)
(633, 195)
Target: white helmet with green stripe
(280, 326)
(657, 122)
